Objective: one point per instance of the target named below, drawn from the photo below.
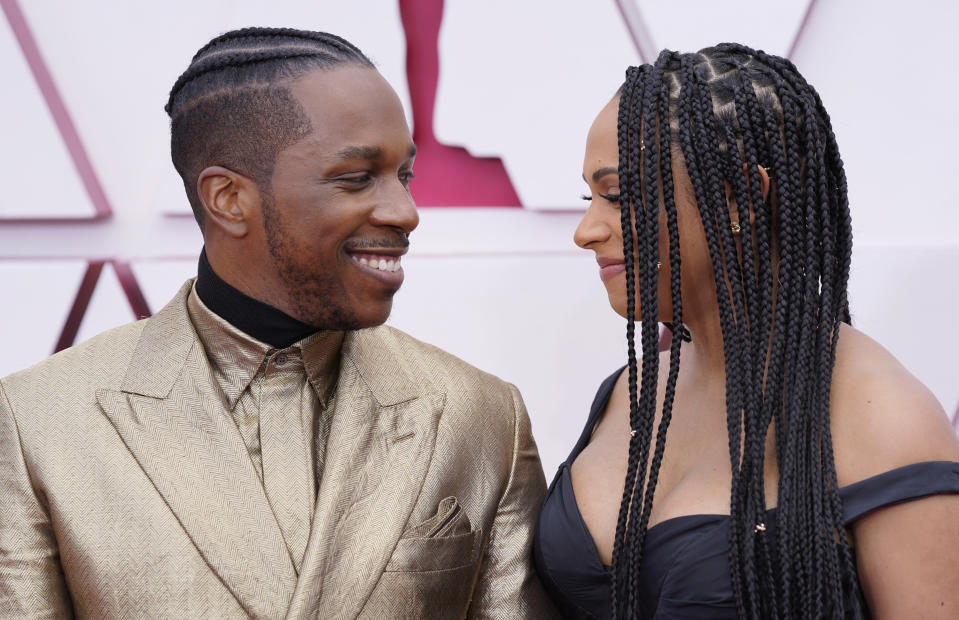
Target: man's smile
(382, 262)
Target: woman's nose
(591, 229)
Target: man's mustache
(401, 241)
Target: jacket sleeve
(508, 586)
(31, 579)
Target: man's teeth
(382, 264)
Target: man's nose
(396, 209)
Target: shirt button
(281, 358)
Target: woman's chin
(618, 304)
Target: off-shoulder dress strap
(899, 485)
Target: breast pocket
(433, 554)
(445, 541)
(432, 571)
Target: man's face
(339, 211)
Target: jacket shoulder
(431, 364)
(100, 361)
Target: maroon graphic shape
(447, 176)
(88, 285)
(131, 288)
(80, 303)
(802, 28)
(636, 27)
(58, 109)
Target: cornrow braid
(247, 46)
(234, 60)
(289, 33)
(233, 107)
(781, 293)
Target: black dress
(685, 572)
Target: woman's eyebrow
(599, 174)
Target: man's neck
(251, 316)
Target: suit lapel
(171, 415)
(378, 452)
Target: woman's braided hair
(232, 106)
(728, 110)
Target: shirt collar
(237, 357)
(251, 316)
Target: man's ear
(229, 199)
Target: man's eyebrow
(599, 174)
(360, 152)
(368, 152)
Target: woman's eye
(613, 197)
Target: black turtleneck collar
(252, 317)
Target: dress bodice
(685, 570)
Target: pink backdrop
(95, 231)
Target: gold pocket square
(445, 541)
(450, 520)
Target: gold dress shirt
(280, 400)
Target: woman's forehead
(602, 134)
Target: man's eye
(406, 177)
(360, 178)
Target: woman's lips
(610, 268)
(611, 271)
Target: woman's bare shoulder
(883, 417)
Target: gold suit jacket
(123, 496)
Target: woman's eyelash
(609, 197)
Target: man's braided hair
(729, 109)
(232, 107)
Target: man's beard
(320, 301)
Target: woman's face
(601, 230)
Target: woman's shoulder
(882, 416)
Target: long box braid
(731, 109)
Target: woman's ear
(228, 199)
(764, 185)
(731, 202)
(763, 181)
